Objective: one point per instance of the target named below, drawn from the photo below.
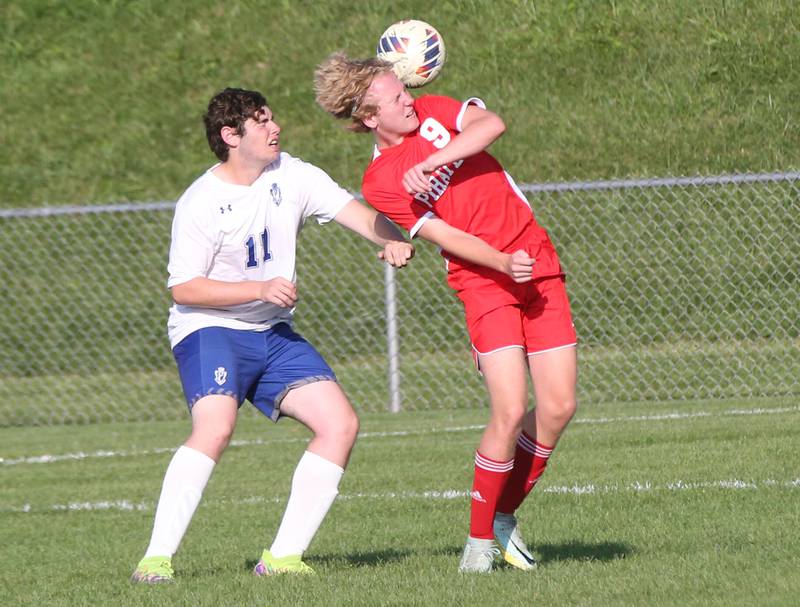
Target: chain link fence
(680, 289)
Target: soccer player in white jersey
(232, 277)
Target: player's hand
(397, 254)
(279, 291)
(417, 179)
(520, 266)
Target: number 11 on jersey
(250, 245)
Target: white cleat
(478, 556)
(512, 546)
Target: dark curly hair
(230, 107)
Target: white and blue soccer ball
(415, 49)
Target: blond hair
(341, 83)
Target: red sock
(490, 478)
(530, 460)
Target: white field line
(80, 455)
(450, 494)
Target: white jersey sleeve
(320, 196)
(192, 246)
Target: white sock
(314, 487)
(184, 481)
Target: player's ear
(229, 136)
(370, 121)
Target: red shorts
(540, 320)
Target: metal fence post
(393, 349)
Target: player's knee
(223, 437)
(347, 427)
(562, 410)
(340, 429)
(212, 441)
(508, 420)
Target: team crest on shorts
(275, 192)
(220, 375)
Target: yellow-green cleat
(154, 570)
(269, 565)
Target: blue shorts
(260, 366)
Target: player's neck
(387, 140)
(237, 173)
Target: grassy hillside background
(101, 99)
(677, 293)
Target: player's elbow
(491, 127)
(498, 125)
(180, 294)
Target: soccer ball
(415, 49)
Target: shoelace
(490, 554)
(161, 569)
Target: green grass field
(643, 504)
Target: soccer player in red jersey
(431, 174)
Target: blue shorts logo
(220, 375)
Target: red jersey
(474, 195)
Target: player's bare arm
(210, 293)
(517, 265)
(373, 226)
(480, 128)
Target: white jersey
(234, 233)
